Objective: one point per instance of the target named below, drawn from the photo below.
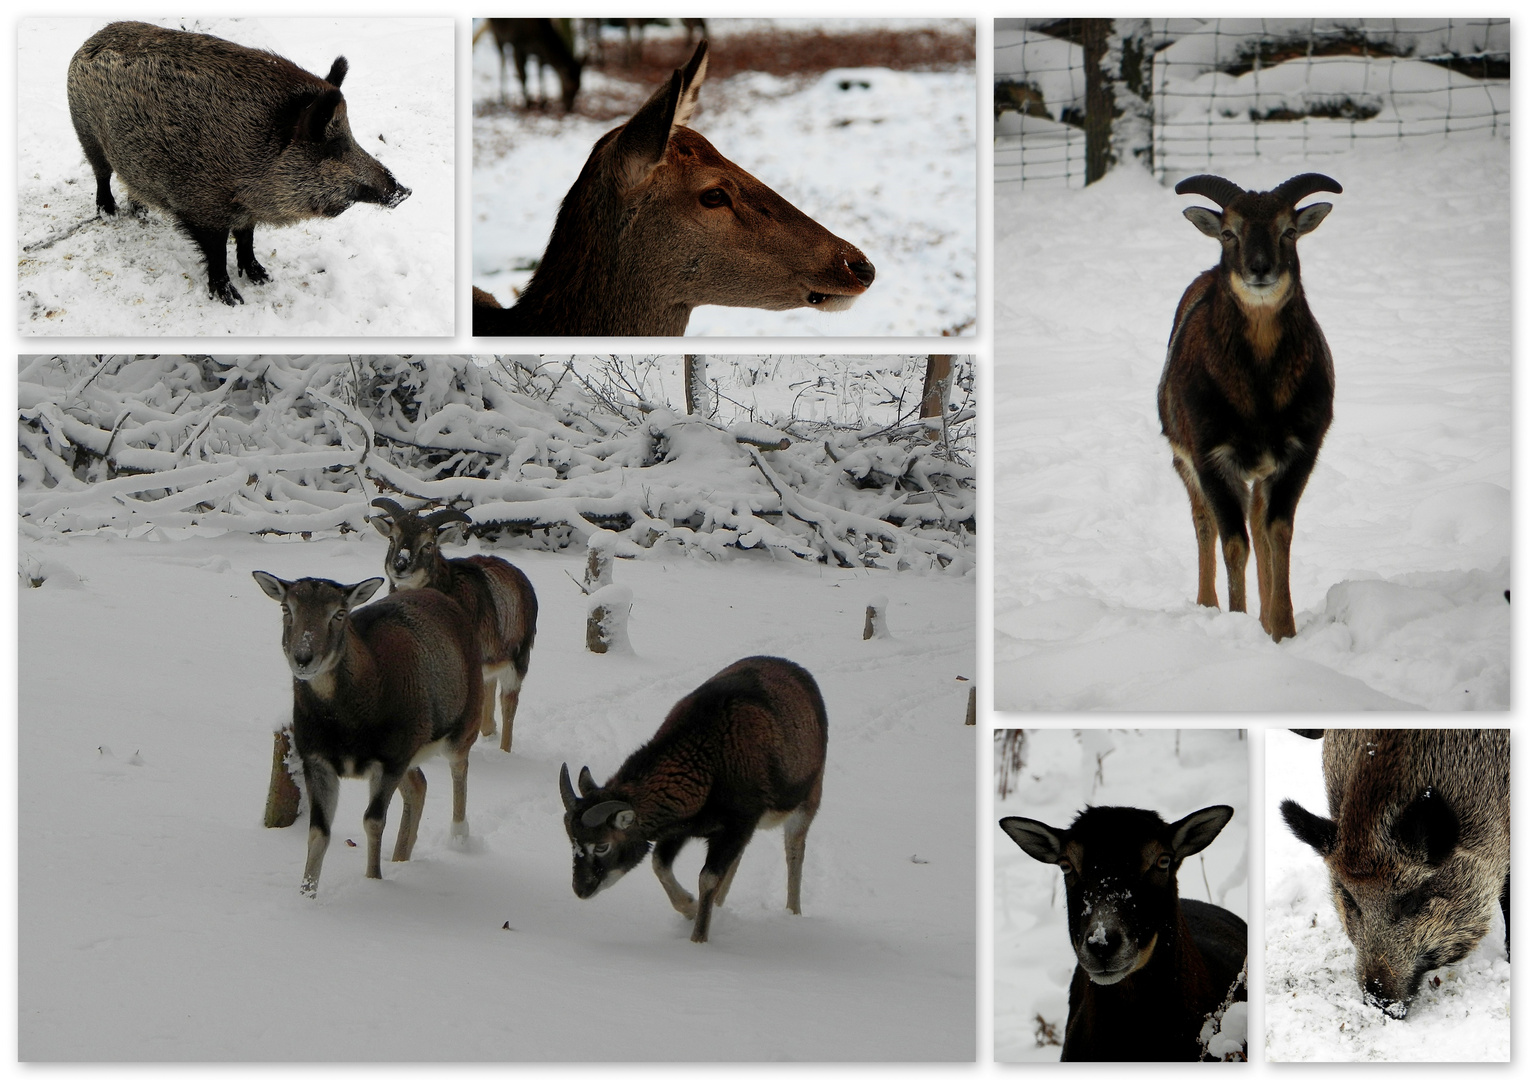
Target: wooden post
(936, 393)
(971, 707)
(283, 798)
(875, 619)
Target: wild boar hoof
(107, 207)
(225, 292)
(255, 273)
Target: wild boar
(1418, 847)
(220, 137)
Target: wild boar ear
(338, 71)
(1319, 832)
(1428, 828)
(1193, 833)
(1035, 838)
(325, 110)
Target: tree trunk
(1098, 121)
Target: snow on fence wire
(1239, 88)
(198, 445)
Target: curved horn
(391, 508)
(569, 800)
(1297, 187)
(445, 517)
(1217, 189)
(620, 814)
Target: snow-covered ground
(160, 921)
(1313, 1007)
(370, 271)
(885, 159)
(1402, 539)
(1171, 772)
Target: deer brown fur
(539, 39)
(1246, 393)
(658, 223)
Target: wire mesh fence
(1239, 88)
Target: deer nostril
(864, 271)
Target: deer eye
(339, 616)
(1164, 862)
(1227, 234)
(715, 197)
(1290, 234)
(1066, 867)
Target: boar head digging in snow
(220, 137)
(1418, 847)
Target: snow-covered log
(539, 452)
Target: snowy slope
(1171, 772)
(1401, 545)
(370, 271)
(159, 920)
(885, 159)
(1314, 1010)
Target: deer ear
(689, 80)
(640, 146)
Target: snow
(1171, 772)
(1401, 547)
(817, 143)
(1314, 1010)
(160, 921)
(370, 271)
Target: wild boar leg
(244, 255)
(214, 246)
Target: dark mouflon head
(603, 832)
(1258, 230)
(1120, 865)
(413, 540)
(314, 614)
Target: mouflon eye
(1164, 862)
(715, 197)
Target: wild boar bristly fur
(1418, 848)
(219, 136)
